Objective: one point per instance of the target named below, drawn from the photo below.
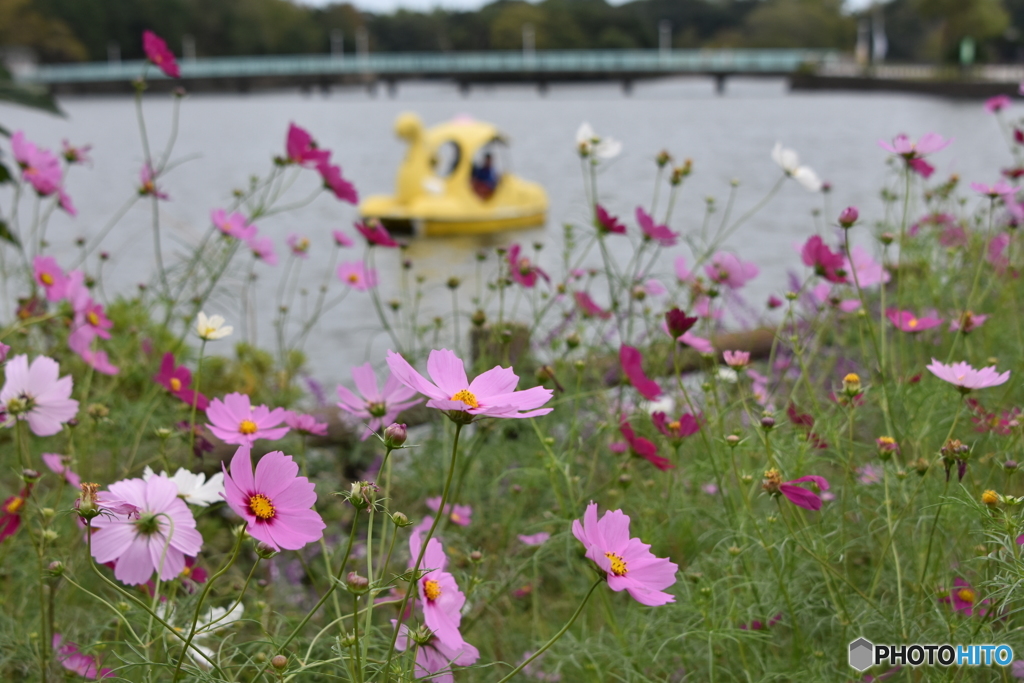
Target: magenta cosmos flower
(376, 234)
(147, 183)
(50, 277)
(298, 244)
(826, 263)
(654, 231)
(913, 152)
(341, 239)
(336, 182)
(10, 513)
(235, 420)
(589, 308)
(797, 495)
(997, 104)
(262, 249)
(458, 514)
(964, 598)
(34, 393)
(491, 394)
(522, 270)
(607, 223)
(906, 321)
(302, 149)
(276, 503)
(357, 276)
(678, 429)
(727, 269)
(628, 562)
(156, 540)
(378, 407)
(305, 424)
(434, 659)
(439, 594)
(640, 447)
(72, 659)
(61, 464)
(632, 366)
(961, 375)
(534, 539)
(158, 53)
(177, 380)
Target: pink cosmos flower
(376, 234)
(632, 366)
(336, 182)
(233, 225)
(967, 322)
(90, 321)
(72, 659)
(147, 183)
(683, 273)
(234, 420)
(75, 154)
(65, 203)
(698, 344)
(961, 375)
(341, 239)
(653, 287)
(158, 53)
(35, 394)
(263, 249)
(535, 539)
(868, 271)
(302, 149)
(607, 223)
(177, 381)
(10, 513)
(797, 495)
(275, 503)
(298, 244)
(357, 276)
(643, 448)
(906, 321)
(653, 231)
(736, 359)
(679, 429)
(157, 540)
(521, 270)
(306, 424)
(826, 263)
(60, 464)
(628, 562)
(378, 407)
(869, 474)
(996, 104)
(99, 361)
(50, 277)
(458, 514)
(913, 153)
(434, 659)
(996, 254)
(589, 308)
(39, 167)
(964, 598)
(438, 592)
(1001, 188)
(491, 394)
(726, 269)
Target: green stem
(195, 400)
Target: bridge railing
(612, 62)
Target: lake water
(728, 137)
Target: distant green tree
(982, 20)
(800, 23)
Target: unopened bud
(1010, 465)
(479, 318)
(395, 436)
(849, 217)
(887, 238)
(55, 568)
(851, 384)
(454, 282)
(30, 476)
(400, 519)
(476, 556)
(732, 440)
(279, 662)
(357, 584)
(572, 341)
(265, 550)
(767, 422)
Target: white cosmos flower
(590, 144)
(728, 375)
(213, 327)
(665, 404)
(788, 160)
(193, 487)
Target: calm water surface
(228, 138)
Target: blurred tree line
(919, 30)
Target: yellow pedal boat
(454, 180)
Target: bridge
(465, 68)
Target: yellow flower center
(852, 378)
(261, 506)
(887, 440)
(965, 594)
(94, 319)
(912, 323)
(432, 589)
(467, 397)
(674, 426)
(186, 572)
(47, 279)
(175, 384)
(455, 518)
(353, 278)
(618, 564)
(247, 427)
(14, 505)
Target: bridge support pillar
(627, 87)
(542, 88)
(371, 88)
(392, 88)
(464, 87)
(720, 84)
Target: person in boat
(484, 178)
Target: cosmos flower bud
(86, 505)
(572, 341)
(265, 550)
(55, 568)
(357, 584)
(1010, 465)
(663, 158)
(30, 476)
(479, 318)
(767, 422)
(395, 436)
(732, 440)
(400, 519)
(851, 384)
(849, 217)
(886, 447)
(279, 662)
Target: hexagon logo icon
(862, 654)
